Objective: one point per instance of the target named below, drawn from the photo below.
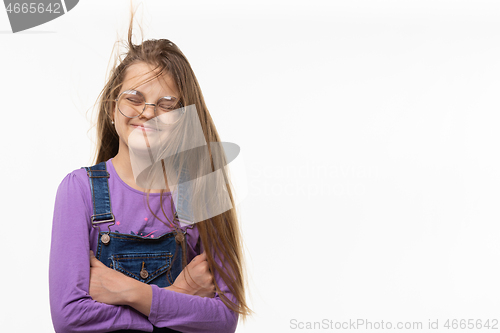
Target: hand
(109, 286)
(195, 278)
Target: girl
(120, 250)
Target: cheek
(120, 127)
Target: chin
(145, 142)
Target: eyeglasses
(131, 104)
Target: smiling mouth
(143, 128)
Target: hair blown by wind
(220, 234)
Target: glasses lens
(131, 103)
(169, 109)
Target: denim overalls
(149, 260)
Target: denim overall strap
(99, 187)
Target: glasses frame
(146, 104)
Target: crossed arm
(75, 308)
(114, 288)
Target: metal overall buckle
(105, 237)
(90, 173)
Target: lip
(144, 128)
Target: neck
(123, 167)
(121, 163)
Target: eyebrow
(158, 97)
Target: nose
(149, 112)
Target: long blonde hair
(220, 235)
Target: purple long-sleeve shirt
(73, 310)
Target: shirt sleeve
(193, 314)
(72, 308)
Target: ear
(113, 115)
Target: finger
(199, 258)
(94, 262)
(194, 261)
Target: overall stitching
(153, 275)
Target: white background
(368, 131)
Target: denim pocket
(145, 267)
(159, 259)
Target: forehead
(140, 76)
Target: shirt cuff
(155, 303)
